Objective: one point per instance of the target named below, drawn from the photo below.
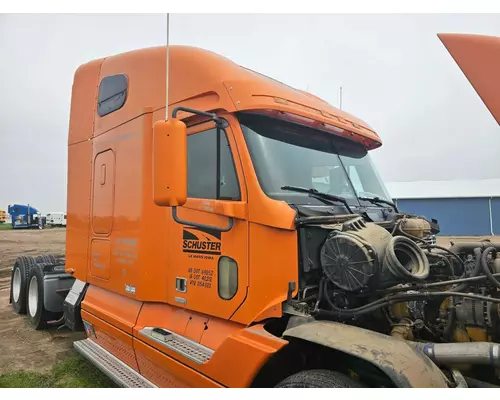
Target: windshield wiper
(378, 200)
(315, 194)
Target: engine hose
(320, 294)
(477, 269)
(486, 268)
(389, 300)
(469, 280)
(349, 313)
(460, 262)
(445, 260)
(402, 252)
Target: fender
(395, 357)
(52, 284)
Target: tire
(319, 378)
(46, 259)
(38, 316)
(18, 283)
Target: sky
(395, 73)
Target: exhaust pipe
(478, 353)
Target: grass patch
(74, 372)
(5, 227)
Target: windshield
(284, 153)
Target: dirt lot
(21, 347)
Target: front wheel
(319, 378)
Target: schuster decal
(201, 241)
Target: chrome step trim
(110, 365)
(181, 345)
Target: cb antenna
(166, 76)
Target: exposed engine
(391, 277)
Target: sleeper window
(112, 94)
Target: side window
(112, 94)
(205, 159)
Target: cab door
(208, 268)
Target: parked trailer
(56, 219)
(201, 254)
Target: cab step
(180, 344)
(115, 369)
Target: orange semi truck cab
(247, 241)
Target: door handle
(181, 285)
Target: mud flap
(396, 358)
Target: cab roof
(202, 80)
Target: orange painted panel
(83, 103)
(265, 95)
(253, 345)
(129, 239)
(100, 258)
(113, 308)
(268, 287)
(230, 341)
(103, 192)
(195, 254)
(162, 316)
(478, 56)
(217, 330)
(208, 81)
(78, 211)
(190, 82)
(165, 372)
(112, 339)
(195, 327)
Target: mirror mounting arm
(218, 121)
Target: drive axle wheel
(18, 283)
(36, 312)
(319, 378)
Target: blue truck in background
(25, 216)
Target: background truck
(56, 219)
(231, 246)
(25, 216)
(3, 216)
